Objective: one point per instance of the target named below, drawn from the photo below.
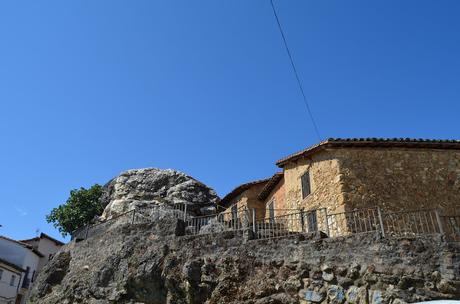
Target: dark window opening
(312, 221)
(305, 180)
(271, 211)
(235, 212)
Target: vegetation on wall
(79, 209)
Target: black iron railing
(290, 222)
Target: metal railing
(234, 220)
(352, 222)
(134, 216)
(411, 223)
(366, 220)
(290, 222)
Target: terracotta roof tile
(46, 236)
(373, 142)
(25, 245)
(270, 185)
(240, 189)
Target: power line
(295, 71)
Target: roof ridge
(28, 246)
(270, 185)
(372, 141)
(242, 187)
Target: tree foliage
(79, 209)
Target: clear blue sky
(91, 88)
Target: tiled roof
(14, 266)
(274, 180)
(240, 189)
(45, 236)
(373, 142)
(25, 245)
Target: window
(305, 181)
(13, 280)
(312, 221)
(235, 212)
(1, 274)
(271, 211)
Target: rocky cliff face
(148, 263)
(141, 187)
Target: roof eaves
(25, 245)
(11, 265)
(240, 189)
(57, 242)
(270, 185)
(312, 149)
(373, 142)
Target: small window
(305, 180)
(271, 211)
(13, 280)
(235, 212)
(1, 274)
(312, 221)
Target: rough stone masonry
(148, 263)
(155, 263)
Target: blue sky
(91, 88)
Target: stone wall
(278, 194)
(147, 264)
(326, 186)
(400, 179)
(248, 198)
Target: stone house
(245, 195)
(341, 175)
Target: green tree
(79, 209)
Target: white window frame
(13, 280)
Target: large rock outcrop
(142, 187)
(148, 264)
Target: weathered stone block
(378, 297)
(335, 294)
(311, 296)
(449, 286)
(328, 276)
(357, 295)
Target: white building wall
(47, 248)
(7, 292)
(12, 252)
(21, 256)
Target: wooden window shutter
(305, 180)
